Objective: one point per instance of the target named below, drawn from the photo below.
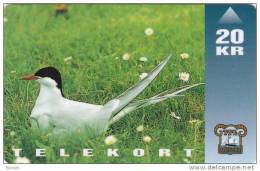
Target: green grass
(97, 36)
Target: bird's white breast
(52, 108)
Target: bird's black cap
(52, 73)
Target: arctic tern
(52, 109)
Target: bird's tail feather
(150, 101)
(125, 98)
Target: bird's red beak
(30, 77)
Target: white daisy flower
(143, 59)
(5, 19)
(148, 31)
(143, 75)
(173, 114)
(140, 128)
(184, 76)
(23, 160)
(111, 139)
(126, 56)
(67, 59)
(184, 56)
(147, 139)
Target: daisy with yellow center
(126, 56)
(140, 128)
(184, 76)
(110, 140)
(143, 75)
(143, 59)
(184, 56)
(148, 31)
(147, 139)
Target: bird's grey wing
(125, 98)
